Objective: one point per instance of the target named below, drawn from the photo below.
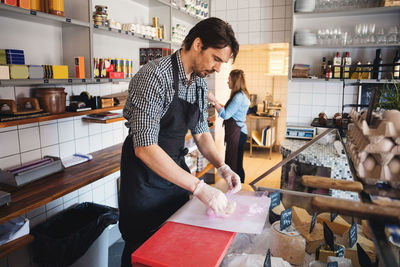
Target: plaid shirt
(150, 94)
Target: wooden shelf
(209, 119)
(103, 121)
(42, 191)
(14, 245)
(56, 116)
(206, 169)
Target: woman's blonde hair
(238, 84)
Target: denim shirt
(237, 109)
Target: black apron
(235, 140)
(146, 199)
(232, 137)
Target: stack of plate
(305, 5)
(305, 38)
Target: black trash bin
(68, 235)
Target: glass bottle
(377, 68)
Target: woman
(234, 115)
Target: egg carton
(363, 143)
(378, 128)
(376, 167)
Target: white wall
(256, 21)
(61, 138)
(306, 99)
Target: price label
(267, 262)
(96, 26)
(69, 80)
(97, 80)
(33, 12)
(313, 220)
(328, 236)
(333, 264)
(109, 29)
(340, 251)
(275, 199)
(83, 80)
(286, 219)
(67, 20)
(333, 216)
(126, 32)
(45, 81)
(353, 234)
(363, 258)
(119, 31)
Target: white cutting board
(249, 217)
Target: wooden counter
(42, 191)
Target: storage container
(52, 100)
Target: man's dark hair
(213, 32)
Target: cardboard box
(80, 67)
(60, 71)
(24, 4)
(4, 73)
(10, 2)
(391, 2)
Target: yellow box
(60, 71)
(19, 71)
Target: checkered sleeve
(202, 125)
(144, 107)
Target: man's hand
(231, 178)
(212, 198)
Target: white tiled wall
(306, 99)
(256, 21)
(62, 138)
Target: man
(166, 98)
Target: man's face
(210, 60)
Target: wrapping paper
(249, 217)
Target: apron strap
(175, 68)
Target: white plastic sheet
(249, 216)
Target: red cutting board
(177, 244)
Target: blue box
(16, 61)
(14, 51)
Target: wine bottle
(396, 67)
(377, 68)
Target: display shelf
(205, 170)
(377, 227)
(348, 12)
(56, 116)
(103, 121)
(184, 12)
(39, 17)
(348, 81)
(126, 34)
(14, 245)
(383, 17)
(353, 46)
(29, 82)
